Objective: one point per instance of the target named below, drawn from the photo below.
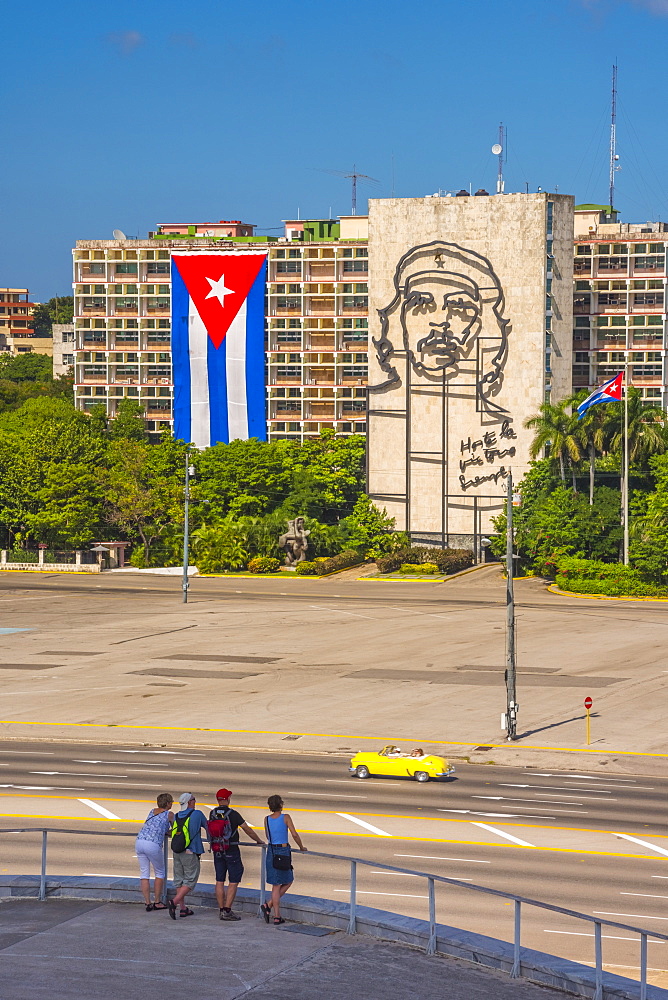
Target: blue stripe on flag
(217, 374)
(180, 356)
(255, 359)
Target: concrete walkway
(71, 949)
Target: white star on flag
(218, 289)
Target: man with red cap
(224, 825)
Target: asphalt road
(583, 841)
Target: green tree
(592, 434)
(372, 530)
(219, 547)
(556, 431)
(649, 526)
(129, 422)
(57, 310)
(646, 428)
(144, 489)
(31, 367)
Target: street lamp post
(190, 471)
(511, 702)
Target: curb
(450, 942)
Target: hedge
(423, 569)
(590, 576)
(447, 560)
(321, 567)
(264, 564)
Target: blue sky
(124, 115)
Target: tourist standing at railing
(278, 825)
(150, 851)
(187, 849)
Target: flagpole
(625, 491)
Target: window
(293, 289)
(294, 252)
(126, 303)
(289, 267)
(582, 286)
(581, 356)
(157, 268)
(361, 252)
(584, 251)
(582, 321)
(355, 301)
(285, 303)
(354, 265)
(288, 372)
(95, 269)
(355, 371)
(68, 359)
(294, 324)
(126, 267)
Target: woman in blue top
(277, 826)
(150, 850)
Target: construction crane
(354, 177)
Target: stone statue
(295, 542)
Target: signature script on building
(485, 451)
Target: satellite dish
(119, 234)
(496, 149)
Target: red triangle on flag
(218, 284)
(614, 390)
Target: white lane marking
(538, 798)
(79, 774)
(433, 857)
(46, 788)
(351, 613)
(474, 812)
(658, 876)
(647, 895)
(397, 895)
(592, 779)
(328, 795)
(102, 811)
(367, 826)
(563, 788)
(171, 753)
(609, 937)
(30, 753)
(636, 916)
(643, 843)
(508, 836)
(412, 875)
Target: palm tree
(591, 432)
(556, 431)
(646, 427)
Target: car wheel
(421, 776)
(362, 771)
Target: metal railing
(518, 901)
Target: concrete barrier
(452, 942)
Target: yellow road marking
(331, 736)
(368, 836)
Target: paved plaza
(330, 664)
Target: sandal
(149, 907)
(265, 912)
(278, 920)
(187, 913)
(172, 909)
(160, 906)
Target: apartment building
(317, 336)
(63, 348)
(619, 307)
(316, 321)
(17, 335)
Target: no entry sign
(588, 703)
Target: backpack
(220, 833)
(181, 833)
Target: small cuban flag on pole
(609, 392)
(218, 346)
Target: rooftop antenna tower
(355, 176)
(499, 149)
(613, 138)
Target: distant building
(619, 301)
(63, 348)
(316, 321)
(17, 335)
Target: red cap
(223, 793)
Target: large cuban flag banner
(218, 346)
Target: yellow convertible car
(391, 761)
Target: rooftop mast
(613, 138)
